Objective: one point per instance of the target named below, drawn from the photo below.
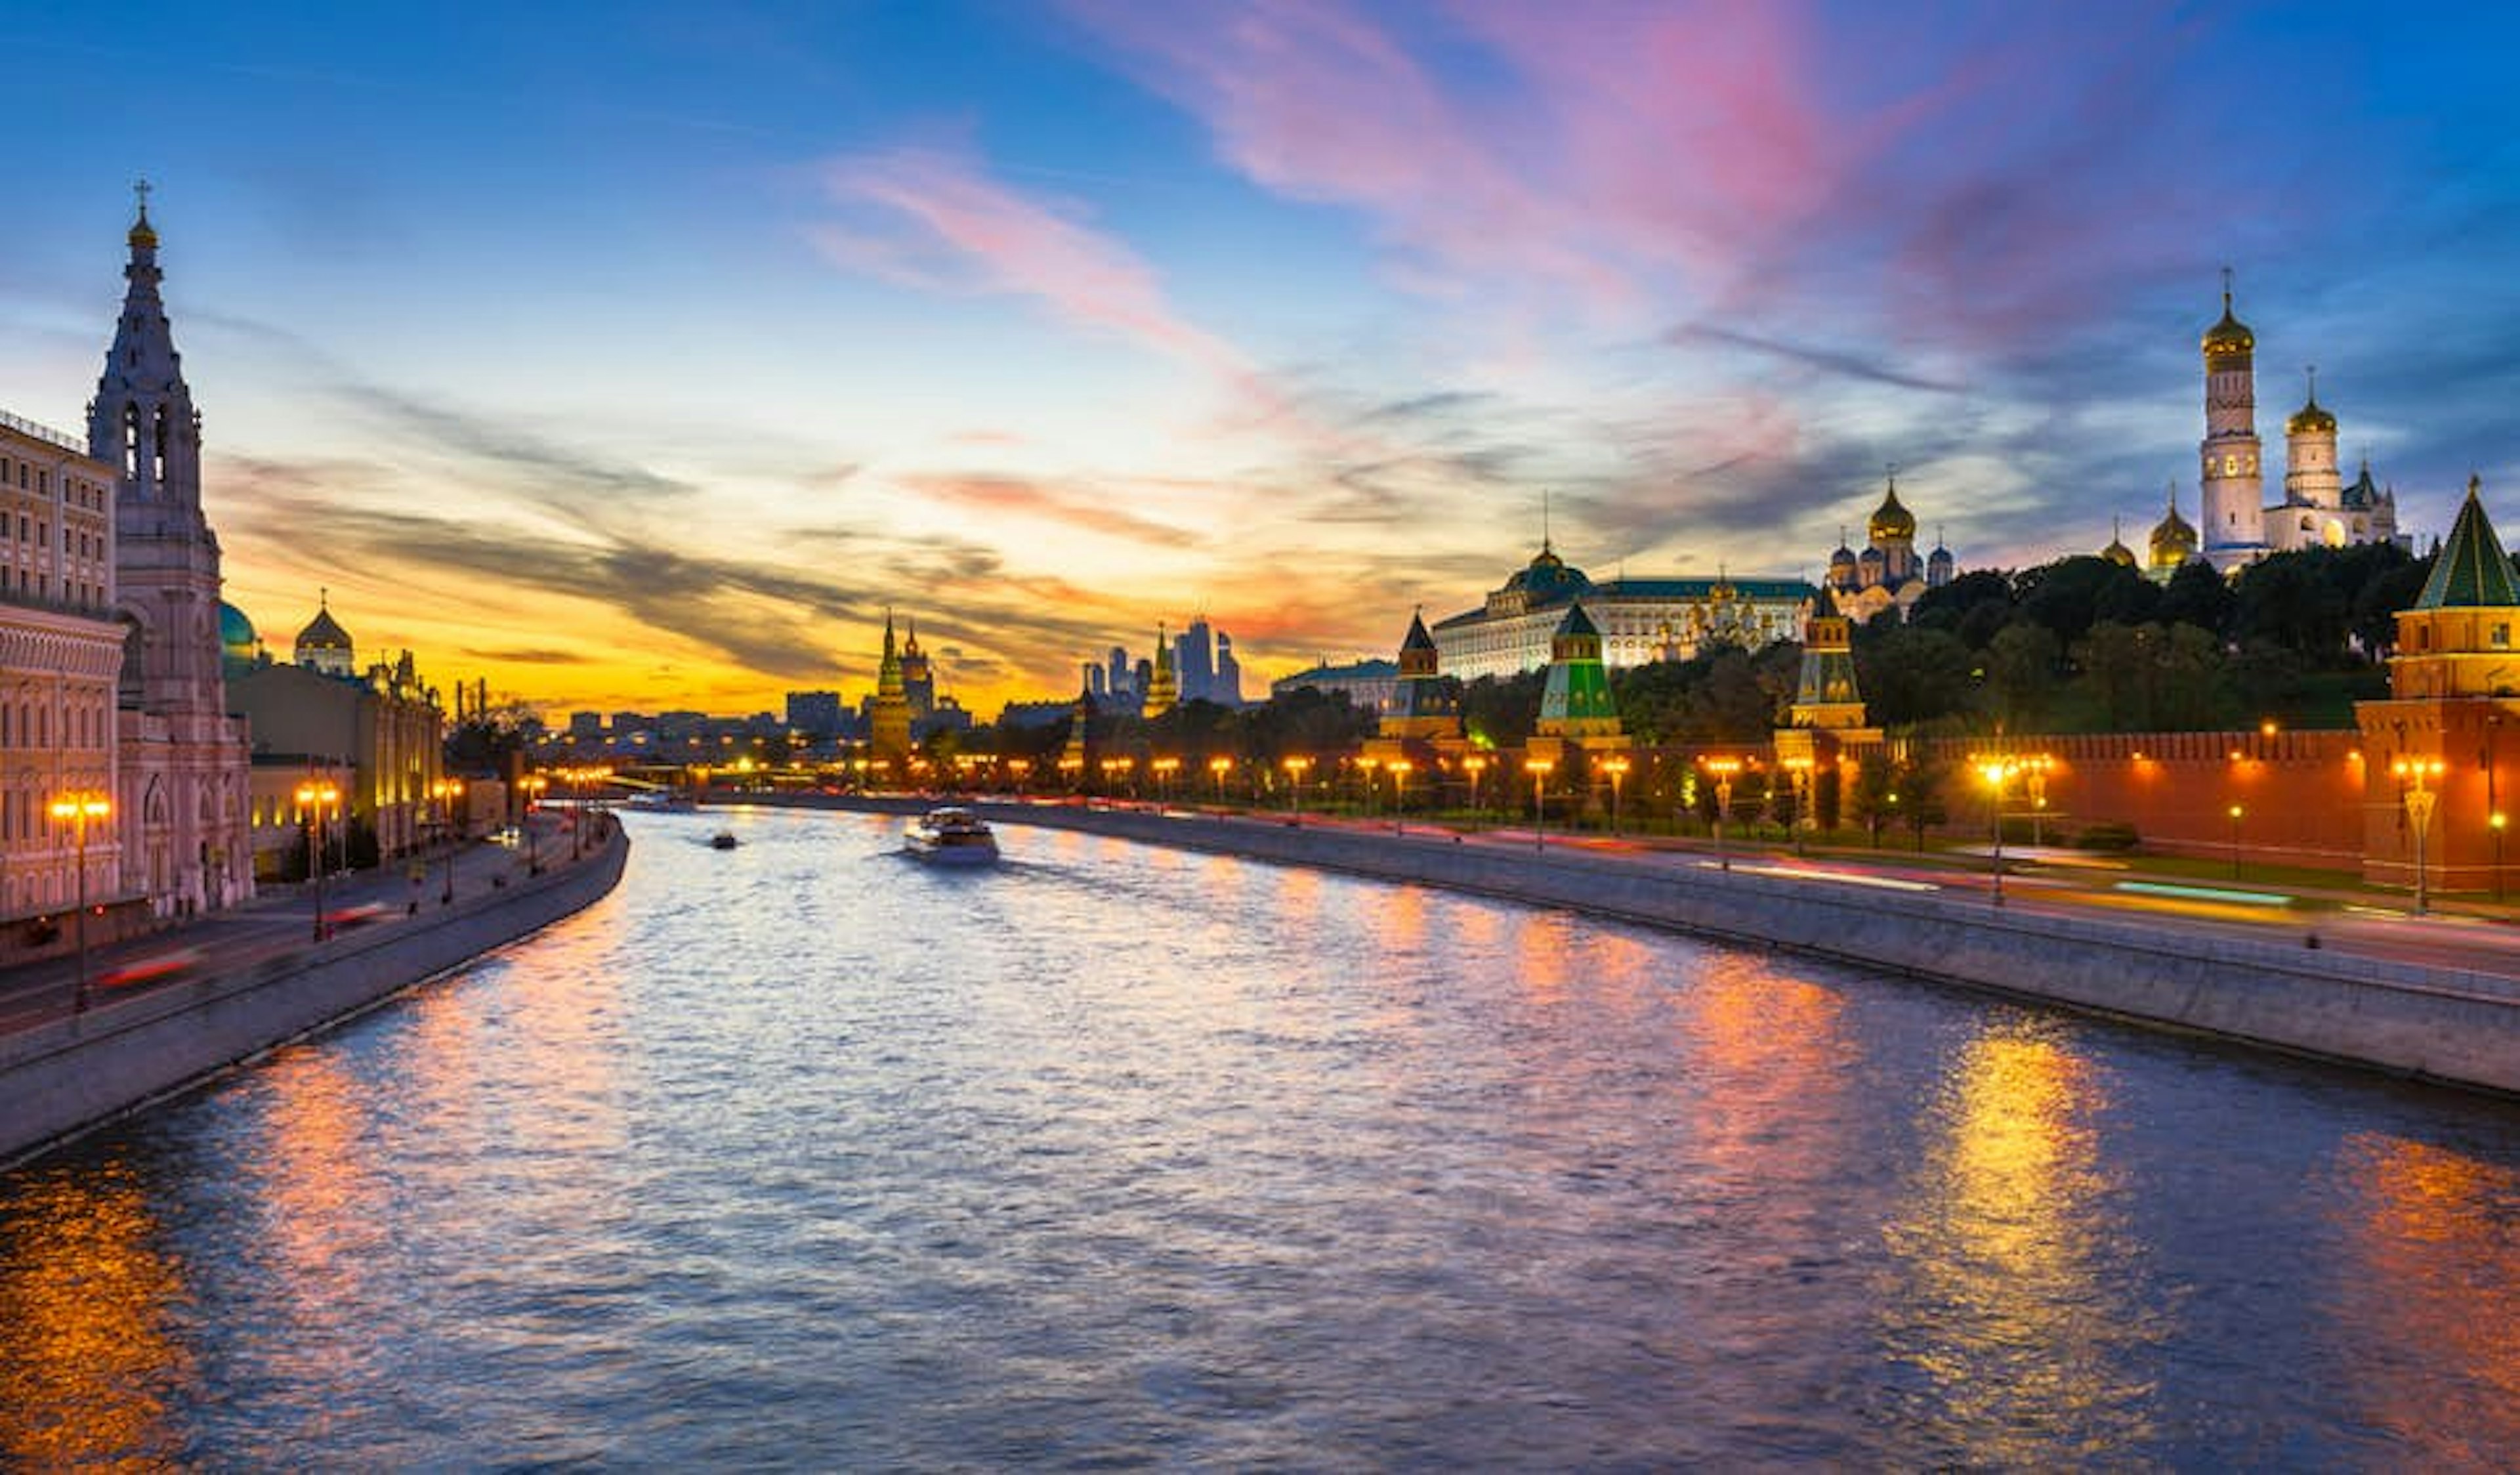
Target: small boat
(723, 840)
(952, 836)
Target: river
(803, 1154)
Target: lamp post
(2037, 769)
(1618, 768)
(1401, 768)
(2420, 808)
(78, 808)
(1995, 771)
(533, 784)
(1474, 765)
(1219, 767)
(1295, 768)
(1165, 768)
(312, 798)
(1539, 769)
(446, 790)
(1801, 769)
(1724, 769)
(2236, 842)
(2494, 822)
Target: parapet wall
(61, 1078)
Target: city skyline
(638, 362)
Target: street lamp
(1367, 765)
(1618, 768)
(1474, 765)
(312, 798)
(1995, 771)
(2037, 768)
(1539, 769)
(78, 808)
(1295, 768)
(1724, 769)
(2494, 822)
(2420, 808)
(1165, 768)
(1800, 768)
(533, 784)
(446, 790)
(1401, 768)
(2236, 842)
(1219, 767)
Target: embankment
(61, 1078)
(2441, 1024)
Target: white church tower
(2232, 487)
(184, 780)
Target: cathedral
(1887, 574)
(2319, 508)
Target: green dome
(236, 632)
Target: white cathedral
(2238, 526)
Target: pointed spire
(1544, 520)
(143, 236)
(2227, 292)
(2471, 569)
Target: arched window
(158, 464)
(131, 441)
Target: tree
(1914, 673)
(2021, 673)
(1972, 607)
(1501, 712)
(2196, 596)
(1868, 799)
(1923, 786)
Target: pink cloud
(967, 230)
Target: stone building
(1638, 621)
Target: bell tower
(2234, 488)
(167, 563)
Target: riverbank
(67, 1077)
(2442, 1025)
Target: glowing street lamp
(1539, 769)
(2419, 802)
(2494, 822)
(533, 784)
(1365, 766)
(446, 790)
(79, 807)
(2236, 812)
(1401, 768)
(1218, 767)
(1618, 768)
(1724, 769)
(1165, 768)
(1474, 765)
(1995, 771)
(1800, 768)
(312, 800)
(1295, 768)
(2037, 768)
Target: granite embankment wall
(2437, 1024)
(61, 1078)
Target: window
(2500, 639)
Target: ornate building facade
(183, 762)
(1638, 621)
(60, 648)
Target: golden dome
(2311, 417)
(2119, 554)
(2230, 336)
(143, 236)
(2174, 542)
(1891, 521)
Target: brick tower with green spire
(2442, 748)
(890, 716)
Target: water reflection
(88, 1361)
(2433, 1269)
(2014, 1290)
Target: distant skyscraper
(1094, 680)
(1121, 684)
(1194, 660)
(1228, 690)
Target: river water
(806, 1155)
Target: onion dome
(2231, 337)
(2173, 541)
(324, 634)
(1892, 521)
(2117, 552)
(236, 632)
(2312, 417)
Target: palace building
(1638, 621)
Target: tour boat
(952, 836)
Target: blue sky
(641, 356)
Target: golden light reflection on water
(86, 1360)
(321, 1217)
(2006, 1287)
(2433, 1268)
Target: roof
(2472, 571)
(323, 633)
(1354, 670)
(1678, 590)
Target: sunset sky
(638, 356)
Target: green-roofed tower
(2472, 571)
(1577, 701)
